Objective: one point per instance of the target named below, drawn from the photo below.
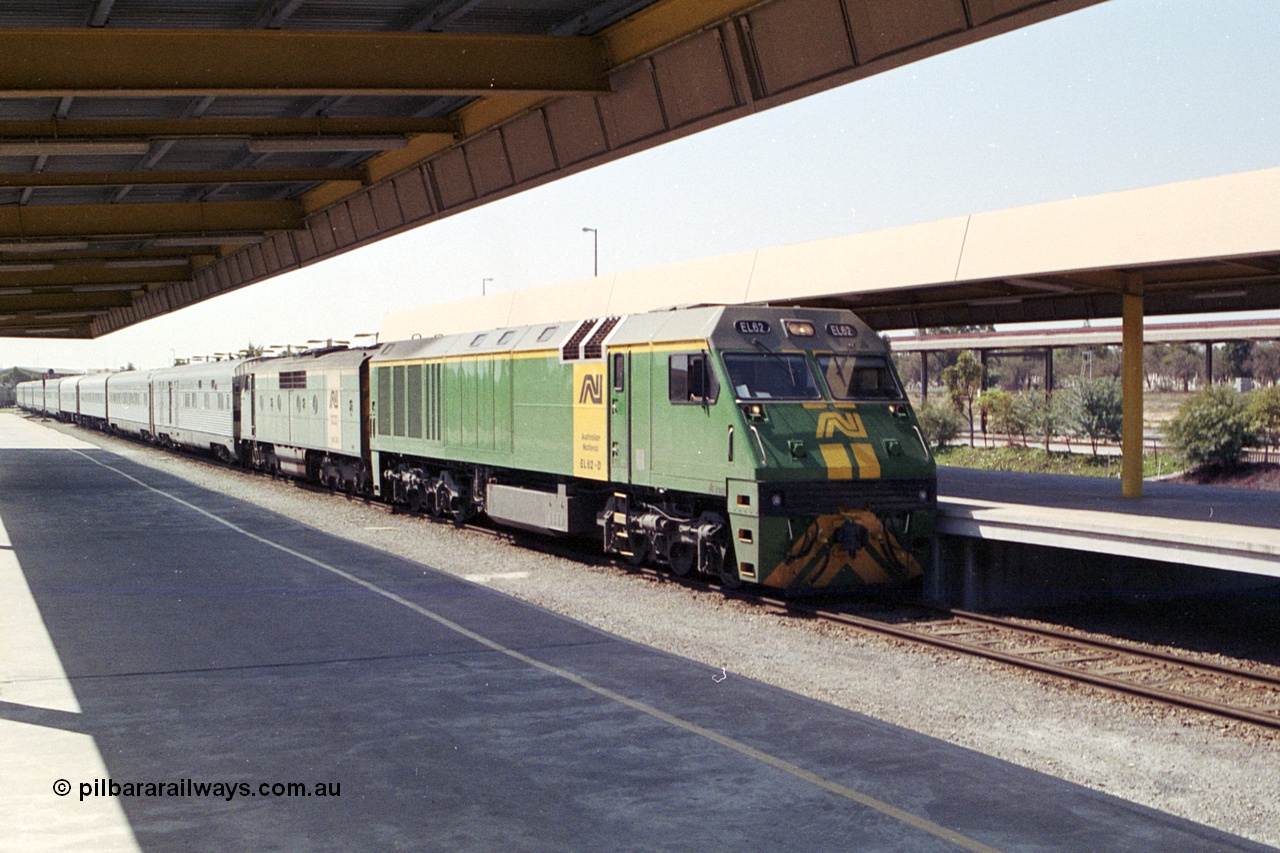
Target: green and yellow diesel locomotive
(771, 446)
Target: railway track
(1171, 679)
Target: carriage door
(620, 417)
(253, 405)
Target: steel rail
(1114, 684)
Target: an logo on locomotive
(829, 423)
(592, 389)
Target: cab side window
(690, 379)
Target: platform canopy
(153, 155)
(1193, 247)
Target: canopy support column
(1131, 389)
(924, 377)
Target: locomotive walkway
(170, 639)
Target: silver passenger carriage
(193, 406)
(129, 404)
(30, 395)
(68, 406)
(92, 391)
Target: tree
(963, 381)
(1046, 414)
(1153, 359)
(1096, 410)
(1264, 413)
(1266, 363)
(1184, 365)
(939, 424)
(996, 407)
(1213, 427)
(1238, 358)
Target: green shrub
(1095, 410)
(1264, 412)
(1212, 427)
(939, 424)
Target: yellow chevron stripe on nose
(836, 458)
(868, 462)
(840, 465)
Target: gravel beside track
(1221, 773)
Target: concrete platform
(1235, 530)
(157, 634)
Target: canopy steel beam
(113, 220)
(150, 63)
(64, 301)
(66, 275)
(178, 177)
(196, 128)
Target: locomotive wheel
(639, 549)
(729, 577)
(683, 558)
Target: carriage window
(547, 333)
(506, 337)
(690, 379)
(771, 376)
(859, 377)
(619, 371)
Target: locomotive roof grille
(571, 351)
(594, 347)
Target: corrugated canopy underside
(155, 154)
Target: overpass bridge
(1043, 342)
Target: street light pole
(595, 250)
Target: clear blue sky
(1125, 94)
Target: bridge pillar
(924, 377)
(1131, 389)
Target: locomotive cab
(785, 452)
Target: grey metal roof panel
(347, 358)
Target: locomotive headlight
(924, 496)
(776, 500)
(799, 329)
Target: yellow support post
(1131, 390)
